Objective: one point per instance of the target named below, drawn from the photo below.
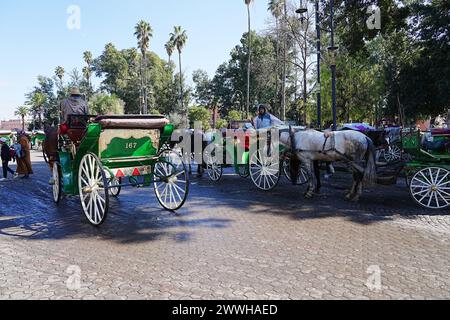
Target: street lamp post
(332, 50)
(319, 93)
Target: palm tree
(87, 71)
(169, 49)
(22, 112)
(247, 3)
(143, 33)
(179, 38)
(276, 8)
(59, 72)
(37, 102)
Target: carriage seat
(132, 122)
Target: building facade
(12, 124)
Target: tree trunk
(144, 91)
(23, 123)
(283, 102)
(305, 84)
(277, 71)
(141, 98)
(249, 61)
(181, 89)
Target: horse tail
(370, 173)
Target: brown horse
(50, 146)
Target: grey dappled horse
(351, 147)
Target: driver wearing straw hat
(74, 105)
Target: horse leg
(317, 175)
(358, 178)
(309, 168)
(351, 194)
(358, 192)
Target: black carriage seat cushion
(132, 122)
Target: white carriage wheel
(393, 153)
(57, 182)
(430, 187)
(213, 168)
(171, 181)
(264, 170)
(115, 187)
(302, 177)
(93, 187)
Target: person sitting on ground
(265, 120)
(6, 158)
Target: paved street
(230, 241)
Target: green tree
(59, 76)
(22, 112)
(87, 74)
(37, 102)
(202, 114)
(276, 9)
(143, 33)
(202, 91)
(120, 71)
(105, 104)
(169, 46)
(249, 56)
(179, 38)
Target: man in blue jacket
(265, 120)
(6, 158)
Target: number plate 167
(131, 145)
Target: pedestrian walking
(6, 158)
(24, 167)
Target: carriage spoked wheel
(93, 186)
(392, 153)
(264, 170)
(430, 187)
(57, 184)
(302, 177)
(213, 168)
(114, 185)
(171, 180)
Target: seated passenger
(74, 105)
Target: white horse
(352, 147)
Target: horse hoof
(355, 199)
(308, 196)
(348, 196)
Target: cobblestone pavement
(230, 241)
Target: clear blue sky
(35, 39)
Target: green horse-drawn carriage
(7, 135)
(97, 156)
(428, 170)
(251, 153)
(37, 139)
